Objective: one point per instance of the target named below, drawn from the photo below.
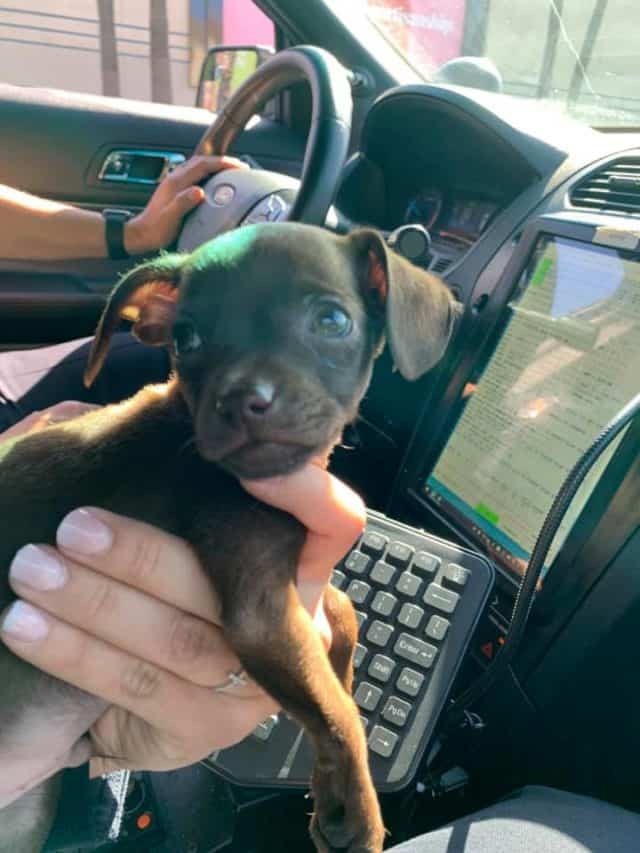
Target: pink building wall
(244, 23)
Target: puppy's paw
(347, 814)
(341, 838)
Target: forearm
(36, 229)
(33, 228)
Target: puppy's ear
(147, 296)
(420, 312)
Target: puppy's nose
(249, 404)
(258, 399)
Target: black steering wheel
(237, 196)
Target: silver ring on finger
(235, 679)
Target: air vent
(441, 265)
(613, 189)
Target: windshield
(581, 56)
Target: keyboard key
(410, 616)
(437, 627)
(399, 553)
(410, 682)
(382, 741)
(367, 696)
(381, 668)
(440, 598)
(357, 563)
(456, 575)
(364, 722)
(338, 579)
(373, 543)
(382, 573)
(379, 633)
(425, 564)
(359, 654)
(358, 591)
(263, 730)
(408, 584)
(361, 617)
(384, 603)
(396, 711)
(415, 651)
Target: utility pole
(108, 49)
(159, 53)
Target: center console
(553, 356)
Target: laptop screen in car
(568, 359)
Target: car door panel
(42, 303)
(54, 144)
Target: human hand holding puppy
(151, 646)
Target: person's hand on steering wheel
(42, 229)
(159, 223)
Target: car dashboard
(476, 170)
(472, 168)
(424, 161)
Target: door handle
(135, 166)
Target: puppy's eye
(185, 339)
(331, 321)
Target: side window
(150, 50)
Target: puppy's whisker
(189, 444)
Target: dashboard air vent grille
(441, 265)
(613, 189)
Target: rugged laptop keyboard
(418, 599)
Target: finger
(141, 556)
(325, 505)
(332, 513)
(134, 621)
(197, 168)
(171, 704)
(184, 202)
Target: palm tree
(159, 51)
(108, 49)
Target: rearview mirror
(224, 70)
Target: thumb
(333, 515)
(187, 200)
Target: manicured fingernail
(83, 533)
(24, 623)
(37, 568)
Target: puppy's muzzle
(264, 424)
(248, 406)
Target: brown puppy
(273, 331)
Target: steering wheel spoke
(275, 207)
